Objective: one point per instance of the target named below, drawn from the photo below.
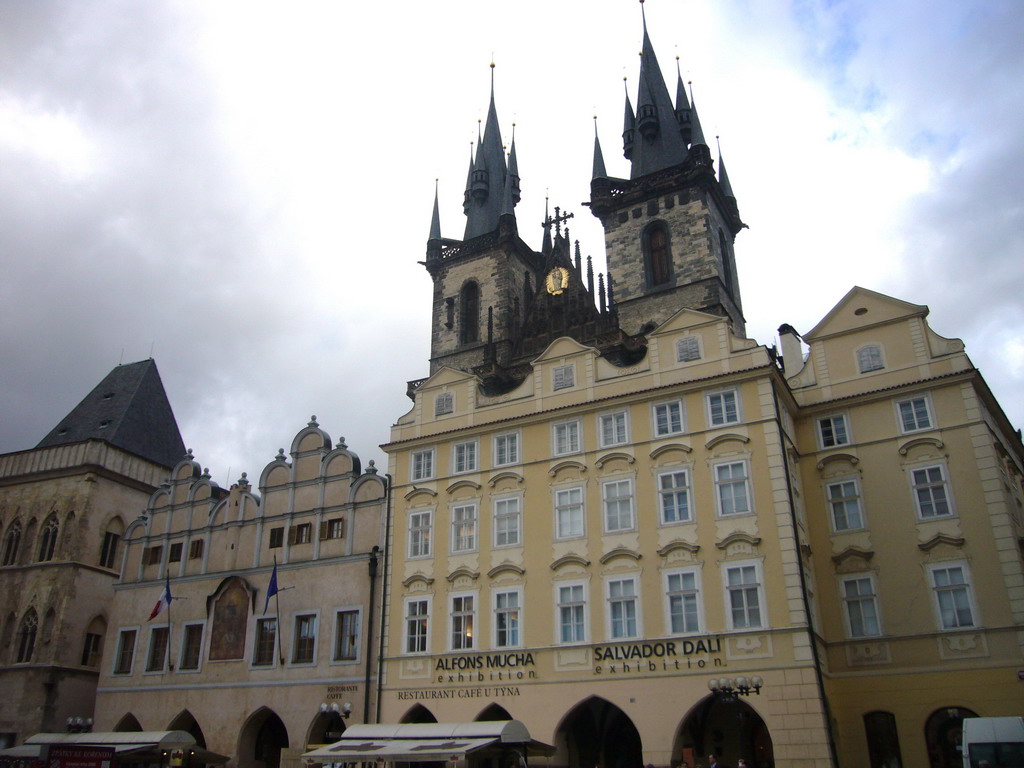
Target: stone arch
(48, 538)
(27, 636)
(418, 714)
(729, 728)
(128, 724)
(492, 712)
(326, 728)
(597, 732)
(186, 721)
(943, 734)
(261, 740)
(12, 541)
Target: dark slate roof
(128, 409)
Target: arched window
(469, 313)
(27, 637)
(92, 648)
(48, 539)
(727, 276)
(11, 542)
(111, 538)
(657, 255)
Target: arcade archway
(493, 712)
(418, 714)
(185, 721)
(326, 728)
(943, 733)
(597, 733)
(262, 738)
(728, 729)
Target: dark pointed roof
(696, 132)
(485, 201)
(723, 177)
(435, 219)
(128, 409)
(599, 170)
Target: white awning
(398, 750)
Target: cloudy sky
(243, 189)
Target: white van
(993, 742)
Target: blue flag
(271, 589)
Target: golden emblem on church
(557, 280)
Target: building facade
(64, 508)
(266, 646)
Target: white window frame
(686, 347)
(832, 501)
(560, 503)
(149, 650)
(497, 611)
(181, 649)
(656, 429)
(417, 459)
(681, 593)
(454, 616)
(627, 601)
(464, 527)
(709, 399)
(832, 420)
(942, 482)
(757, 585)
(424, 617)
(572, 427)
(870, 357)
(563, 376)
(295, 638)
(465, 457)
(965, 588)
(722, 483)
(275, 651)
(582, 604)
(508, 518)
(420, 546)
(444, 403)
(613, 428)
(629, 499)
(335, 639)
(686, 489)
(860, 599)
(509, 438)
(117, 655)
(929, 414)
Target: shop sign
(80, 757)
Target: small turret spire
(599, 170)
(628, 126)
(545, 247)
(723, 177)
(435, 220)
(696, 132)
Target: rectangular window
(612, 428)
(464, 528)
(566, 438)
(506, 449)
(674, 496)
(571, 614)
(733, 488)
(419, 533)
(264, 647)
(108, 554)
(300, 534)
(195, 549)
(507, 517)
(506, 619)
(332, 529)
(154, 555)
(683, 607)
(444, 403)
(174, 553)
(125, 652)
(463, 614)
(622, 608)
(421, 465)
(464, 457)
(861, 607)
(743, 593)
(417, 622)
(832, 431)
(569, 513)
(668, 418)
(687, 349)
(304, 644)
(723, 408)
(915, 414)
(930, 493)
(156, 661)
(346, 636)
(562, 377)
(92, 649)
(869, 358)
(953, 597)
(191, 646)
(844, 504)
(617, 496)
(276, 538)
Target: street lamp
(78, 725)
(726, 689)
(345, 710)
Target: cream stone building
(64, 507)
(255, 676)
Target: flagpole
(170, 662)
(280, 624)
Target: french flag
(164, 601)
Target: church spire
(628, 126)
(682, 106)
(435, 219)
(488, 177)
(723, 177)
(599, 170)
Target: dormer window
(869, 358)
(687, 349)
(444, 403)
(562, 377)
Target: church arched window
(11, 542)
(27, 636)
(657, 255)
(727, 276)
(48, 539)
(469, 313)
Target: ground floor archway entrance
(597, 734)
(943, 734)
(262, 738)
(729, 729)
